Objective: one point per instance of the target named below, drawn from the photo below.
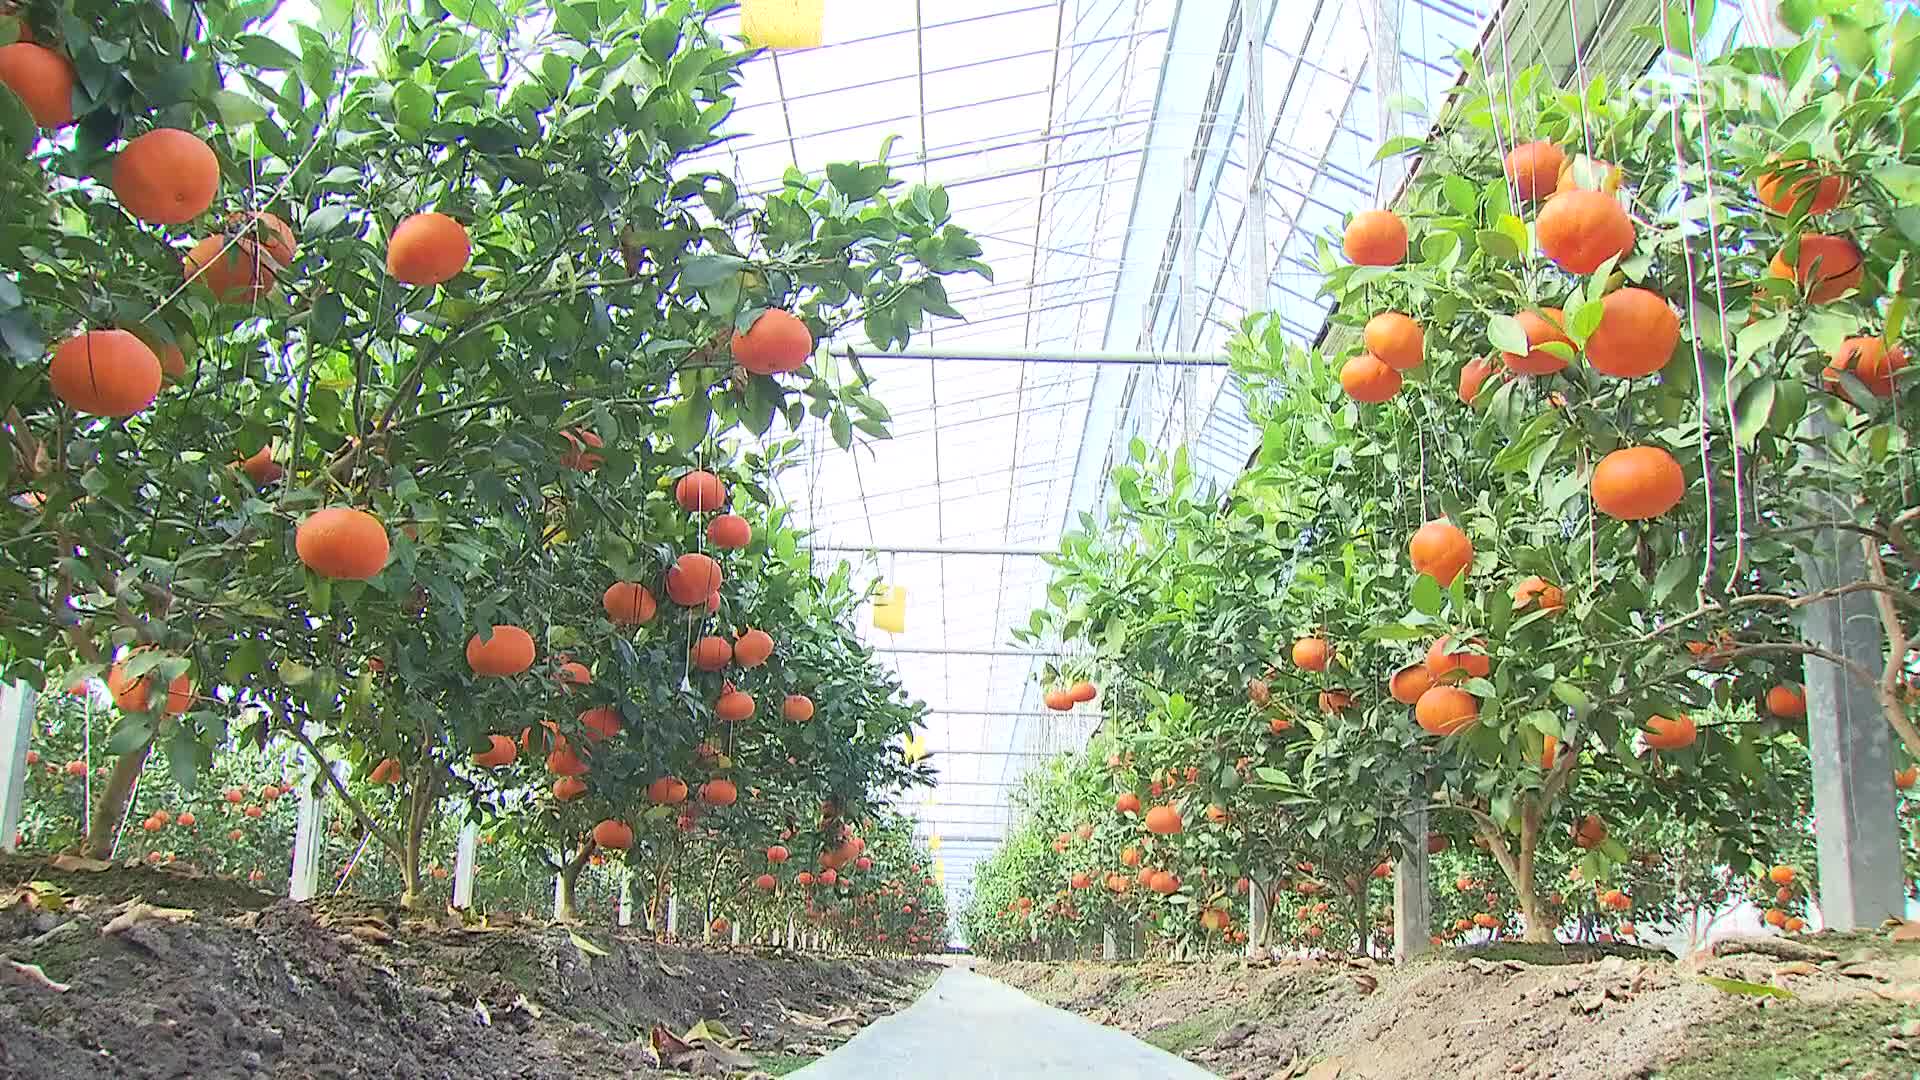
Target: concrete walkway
(969, 1027)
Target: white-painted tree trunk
(16, 732)
(465, 861)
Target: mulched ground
(170, 976)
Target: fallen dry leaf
(1325, 1070)
(140, 911)
(1367, 983)
(372, 935)
(1906, 931)
(1906, 995)
(79, 864)
(669, 970)
(31, 975)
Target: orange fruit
(428, 249)
(1335, 702)
(1409, 683)
(1827, 267)
(1443, 660)
(134, 693)
(752, 648)
(105, 373)
(733, 706)
(1541, 327)
(1440, 550)
(43, 79)
(1579, 230)
(766, 883)
(166, 177)
(387, 772)
(1609, 176)
(1057, 700)
(1787, 701)
(1549, 751)
(1375, 238)
(232, 270)
(777, 854)
(699, 491)
(720, 792)
(693, 578)
(667, 790)
(500, 751)
(613, 834)
(1534, 169)
(1781, 875)
(1775, 917)
(261, 468)
(1164, 883)
(1396, 340)
(342, 543)
(628, 603)
(580, 455)
(1473, 375)
(569, 788)
(508, 651)
(1539, 590)
(601, 723)
(1670, 733)
(1794, 924)
(1164, 821)
(1083, 692)
(711, 653)
(1127, 803)
(1312, 653)
(776, 342)
(1130, 856)
(729, 532)
(1867, 359)
(1367, 379)
(1277, 724)
(1904, 779)
(1591, 832)
(1443, 710)
(1817, 190)
(1637, 483)
(1637, 334)
(798, 708)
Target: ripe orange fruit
(805, 878)
(1277, 724)
(1867, 359)
(613, 834)
(711, 653)
(1335, 702)
(1058, 700)
(134, 694)
(166, 177)
(1367, 379)
(766, 883)
(580, 455)
(1579, 230)
(602, 723)
(387, 772)
(232, 270)
(1409, 683)
(1443, 710)
(1083, 692)
(1670, 733)
(1312, 653)
(42, 78)
(729, 532)
(427, 249)
(1534, 169)
(1781, 875)
(776, 854)
(829, 876)
(1637, 483)
(1127, 803)
(272, 237)
(509, 651)
(1540, 330)
(1549, 751)
(1079, 880)
(1396, 340)
(1164, 821)
(1473, 375)
(500, 751)
(693, 578)
(1817, 191)
(667, 791)
(105, 373)
(1440, 550)
(1216, 813)
(1130, 856)
(798, 708)
(1794, 924)
(261, 468)
(1538, 589)
(1904, 779)
(1827, 267)
(628, 603)
(569, 788)
(752, 648)
(699, 491)
(1375, 238)
(342, 543)
(1591, 832)
(733, 706)
(776, 342)
(1787, 701)
(1775, 917)
(1637, 334)
(1164, 883)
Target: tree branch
(387, 839)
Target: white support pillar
(625, 911)
(465, 858)
(1257, 904)
(16, 732)
(309, 836)
(1109, 945)
(673, 916)
(736, 934)
(1253, 16)
(1412, 901)
(793, 933)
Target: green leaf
(1399, 144)
(1497, 244)
(237, 110)
(183, 758)
(1428, 599)
(1570, 695)
(256, 50)
(661, 38)
(842, 429)
(701, 271)
(687, 423)
(133, 733)
(1586, 319)
(1506, 334)
(1749, 989)
(413, 105)
(1752, 409)
(16, 123)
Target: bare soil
(1516, 1011)
(206, 979)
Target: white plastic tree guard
(1412, 894)
(673, 916)
(309, 837)
(624, 913)
(16, 731)
(1258, 903)
(465, 858)
(736, 933)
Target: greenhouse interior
(870, 538)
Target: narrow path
(969, 1027)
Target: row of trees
(415, 402)
(1529, 541)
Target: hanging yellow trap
(782, 24)
(890, 609)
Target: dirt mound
(1515, 1011)
(157, 987)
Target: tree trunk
(564, 883)
(108, 814)
(1539, 930)
(426, 791)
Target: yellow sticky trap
(933, 844)
(782, 24)
(890, 609)
(915, 749)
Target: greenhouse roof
(1083, 142)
